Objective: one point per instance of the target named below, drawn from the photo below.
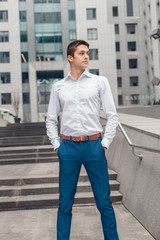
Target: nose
(86, 55)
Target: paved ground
(86, 225)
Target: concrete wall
(146, 111)
(139, 180)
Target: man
(80, 96)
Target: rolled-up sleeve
(52, 117)
(110, 112)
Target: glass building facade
(49, 34)
(48, 31)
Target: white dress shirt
(80, 102)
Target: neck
(76, 73)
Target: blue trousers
(92, 155)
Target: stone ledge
(149, 126)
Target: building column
(32, 61)
(65, 27)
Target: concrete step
(48, 200)
(27, 140)
(28, 160)
(24, 143)
(17, 181)
(24, 140)
(36, 186)
(23, 129)
(26, 155)
(46, 188)
(26, 149)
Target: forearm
(110, 130)
(52, 131)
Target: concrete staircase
(23, 134)
(29, 178)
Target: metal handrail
(137, 146)
(4, 110)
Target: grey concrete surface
(86, 225)
(31, 170)
(152, 111)
(145, 124)
(3, 122)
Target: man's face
(81, 57)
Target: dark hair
(73, 45)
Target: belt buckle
(84, 138)
(81, 139)
(74, 139)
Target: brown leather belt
(82, 138)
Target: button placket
(78, 106)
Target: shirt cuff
(55, 144)
(105, 142)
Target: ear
(70, 58)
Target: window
(26, 98)
(117, 46)
(94, 71)
(3, 16)
(92, 34)
(118, 62)
(4, 57)
(115, 11)
(129, 8)
(116, 28)
(49, 75)
(93, 54)
(5, 77)
(24, 37)
(45, 1)
(134, 98)
(72, 16)
(120, 100)
(23, 16)
(49, 37)
(3, 0)
(6, 98)
(119, 82)
(49, 56)
(44, 97)
(133, 63)
(131, 28)
(132, 46)
(91, 13)
(24, 57)
(25, 78)
(133, 81)
(40, 1)
(4, 36)
(72, 35)
(53, 1)
(47, 17)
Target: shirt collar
(85, 73)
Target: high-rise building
(151, 22)
(34, 35)
(134, 49)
